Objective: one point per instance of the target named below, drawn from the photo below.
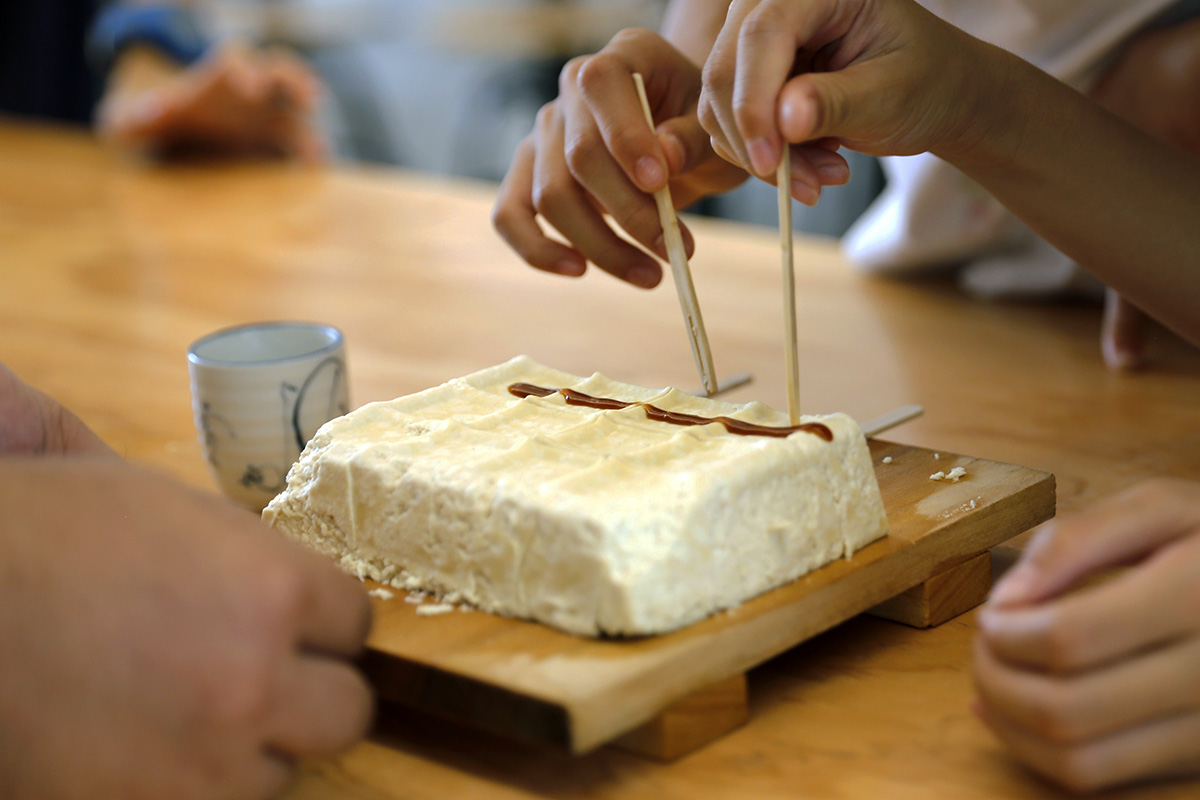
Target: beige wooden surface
(108, 270)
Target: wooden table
(109, 270)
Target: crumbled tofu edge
(956, 474)
(435, 608)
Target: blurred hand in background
(237, 101)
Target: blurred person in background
(152, 82)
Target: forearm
(1124, 206)
(692, 26)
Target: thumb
(816, 105)
(1119, 530)
(685, 144)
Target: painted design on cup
(334, 402)
(298, 403)
(267, 477)
(260, 392)
(212, 442)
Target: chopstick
(727, 385)
(891, 419)
(783, 177)
(677, 255)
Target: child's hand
(1101, 686)
(591, 153)
(880, 78)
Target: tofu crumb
(415, 597)
(956, 473)
(938, 476)
(937, 455)
(887, 459)
(435, 608)
(972, 504)
(382, 594)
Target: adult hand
(880, 78)
(1094, 684)
(591, 153)
(238, 102)
(33, 424)
(156, 642)
(1155, 84)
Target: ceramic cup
(259, 393)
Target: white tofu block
(593, 521)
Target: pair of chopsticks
(687, 291)
(691, 306)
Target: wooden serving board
(529, 681)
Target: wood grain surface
(109, 269)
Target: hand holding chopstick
(679, 268)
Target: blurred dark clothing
(43, 70)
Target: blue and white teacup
(259, 393)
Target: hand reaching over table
(1096, 685)
(154, 641)
(883, 79)
(893, 79)
(591, 153)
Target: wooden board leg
(943, 597)
(692, 722)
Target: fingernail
(833, 174)
(1013, 588)
(645, 277)
(762, 156)
(649, 173)
(806, 193)
(569, 268)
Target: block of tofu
(595, 521)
